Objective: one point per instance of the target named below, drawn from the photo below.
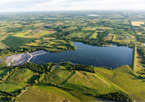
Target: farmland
(55, 32)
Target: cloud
(9, 1)
(49, 5)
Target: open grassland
(13, 41)
(124, 77)
(18, 80)
(136, 23)
(44, 92)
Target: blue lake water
(111, 57)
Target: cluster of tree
(117, 96)
(130, 45)
(10, 51)
(84, 68)
(71, 66)
(6, 96)
(38, 68)
(66, 64)
(140, 38)
(60, 34)
(14, 29)
(142, 72)
(142, 50)
(41, 77)
(4, 77)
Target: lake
(110, 57)
(93, 15)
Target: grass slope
(124, 77)
(89, 83)
(80, 82)
(17, 80)
(46, 93)
(134, 59)
(12, 41)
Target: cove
(110, 57)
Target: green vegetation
(54, 32)
(125, 78)
(12, 41)
(15, 80)
(134, 59)
(2, 46)
(73, 85)
(44, 92)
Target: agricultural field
(136, 23)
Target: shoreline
(19, 59)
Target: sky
(58, 5)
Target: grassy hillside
(46, 93)
(17, 80)
(12, 41)
(72, 85)
(124, 77)
(81, 82)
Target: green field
(44, 92)
(12, 41)
(124, 77)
